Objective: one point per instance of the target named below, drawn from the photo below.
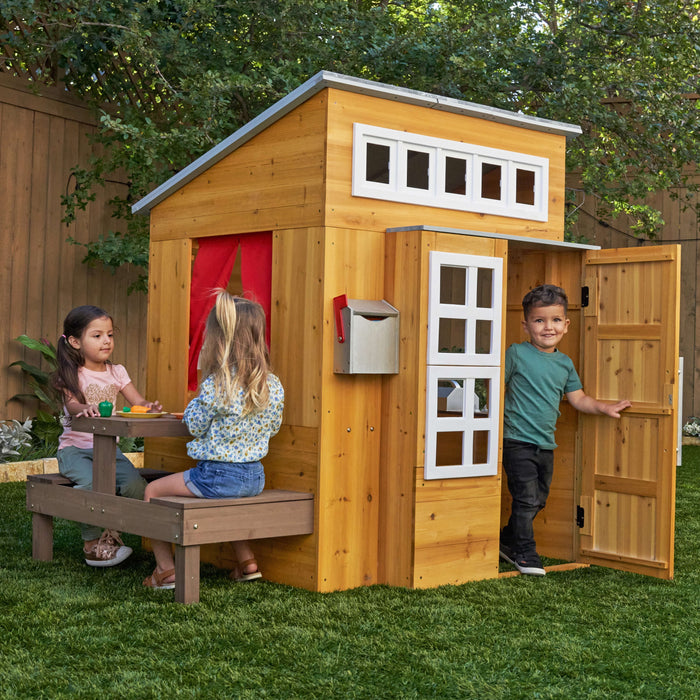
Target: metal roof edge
(320, 81)
(524, 240)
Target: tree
(171, 78)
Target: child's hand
(154, 406)
(90, 411)
(613, 410)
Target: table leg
(104, 464)
(42, 537)
(187, 574)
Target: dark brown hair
(545, 295)
(68, 359)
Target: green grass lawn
(70, 631)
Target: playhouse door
(630, 326)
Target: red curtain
(212, 270)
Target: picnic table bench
(187, 522)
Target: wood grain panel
(402, 398)
(342, 209)
(273, 182)
(42, 277)
(168, 322)
(350, 424)
(297, 321)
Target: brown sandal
(157, 582)
(240, 576)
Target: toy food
(139, 409)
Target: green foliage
(587, 634)
(15, 438)
(46, 426)
(180, 76)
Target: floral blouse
(223, 434)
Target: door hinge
(580, 516)
(585, 297)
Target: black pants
(529, 470)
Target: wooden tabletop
(164, 426)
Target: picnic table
(185, 522)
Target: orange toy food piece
(139, 409)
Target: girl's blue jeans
(76, 464)
(225, 479)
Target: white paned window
(417, 169)
(463, 372)
(464, 322)
(462, 412)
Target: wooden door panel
(628, 465)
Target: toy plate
(129, 414)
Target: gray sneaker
(529, 564)
(109, 550)
(506, 553)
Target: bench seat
(187, 522)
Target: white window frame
(468, 312)
(466, 366)
(402, 141)
(466, 423)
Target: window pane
(490, 181)
(455, 175)
(480, 447)
(482, 345)
(450, 398)
(377, 163)
(452, 335)
(453, 285)
(524, 186)
(482, 400)
(417, 164)
(484, 287)
(448, 449)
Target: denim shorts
(225, 479)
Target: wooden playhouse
(391, 235)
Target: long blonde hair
(234, 352)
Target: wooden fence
(41, 275)
(683, 227)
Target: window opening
(449, 449)
(453, 285)
(484, 288)
(455, 175)
(490, 181)
(418, 170)
(524, 186)
(377, 166)
(453, 335)
(482, 341)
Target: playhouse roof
(326, 79)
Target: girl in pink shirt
(86, 377)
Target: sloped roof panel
(326, 79)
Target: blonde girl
(238, 408)
(85, 376)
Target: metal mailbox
(367, 337)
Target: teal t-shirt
(536, 382)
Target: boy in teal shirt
(537, 377)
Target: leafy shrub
(47, 426)
(692, 427)
(15, 440)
